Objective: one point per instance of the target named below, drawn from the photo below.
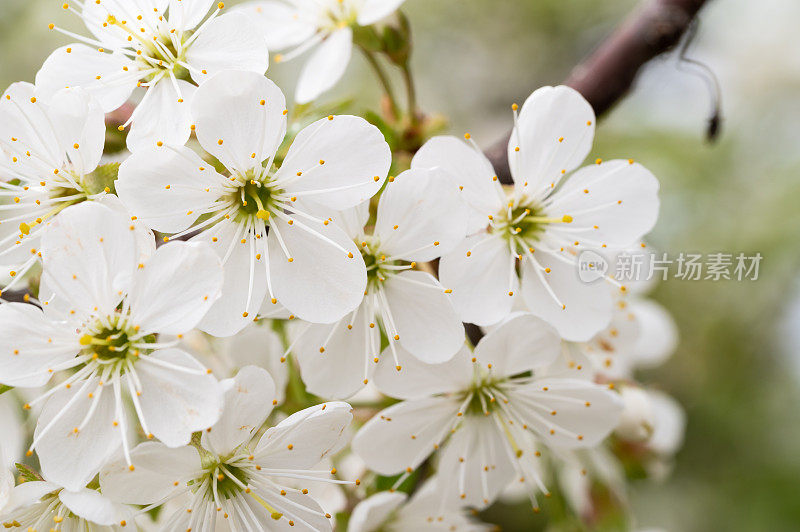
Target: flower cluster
(192, 301)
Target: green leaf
(27, 474)
(4, 388)
(102, 179)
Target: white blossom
(160, 45)
(543, 224)
(237, 477)
(486, 410)
(103, 311)
(327, 25)
(420, 216)
(262, 222)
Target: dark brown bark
(604, 77)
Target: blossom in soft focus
(263, 223)
(529, 240)
(420, 216)
(166, 47)
(394, 511)
(103, 311)
(231, 474)
(324, 25)
(486, 410)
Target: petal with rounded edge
(614, 203)
(520, 343)
(78, 65)
(31, 345)
(89, 253)
(168, 188)
(247, 404)
(323, 278)
(554, 132)
(418, 379)
(421, 216)
(230, 42)
(72, 458)
(373, 10)
(326, 66)
(581, 310)
(163, 116)
(479, 274)
(338, 162)
(404, 435)
(423, 314)
(176, 402)
(303, 439)
(470, 170)
(156, 469)
(239, 118)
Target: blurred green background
(737, 370)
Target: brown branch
(655, 27)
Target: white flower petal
(343, 161)
(582, 309)
(373, 512)
(31, 344)
(28, 493)
(323, 282)
(670, 423)
(185, 15)
(614, 203)
(257, 345)
(283, 25)
(25, 118)
(476, 463)
(247, 404)
(555, 132)
(404, 435)
(421, 216)
(373, 10)
(230, 42)
(585, 412)
(303, 509)
(418, 379)
(78, 120)
(521, 343)
(340, 370)
(163, 116)
(175, 403)
(468, 168)
(478, 273)
(78, 65)
(326, 66)
(161, 186)
(90, 505)
(156, 469)
(303, 439)
(71, 458)
(175, 288)
(231, 313)
(89, 253)
(658, 333)
(426, 321)
(228, 108)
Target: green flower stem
(384, 80)
(411, 92)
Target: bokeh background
(737, 369)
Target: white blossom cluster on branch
(199, 306)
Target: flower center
(160, 54)
(112, 340)
(523, 223)
(379, 268)
(255, 198)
